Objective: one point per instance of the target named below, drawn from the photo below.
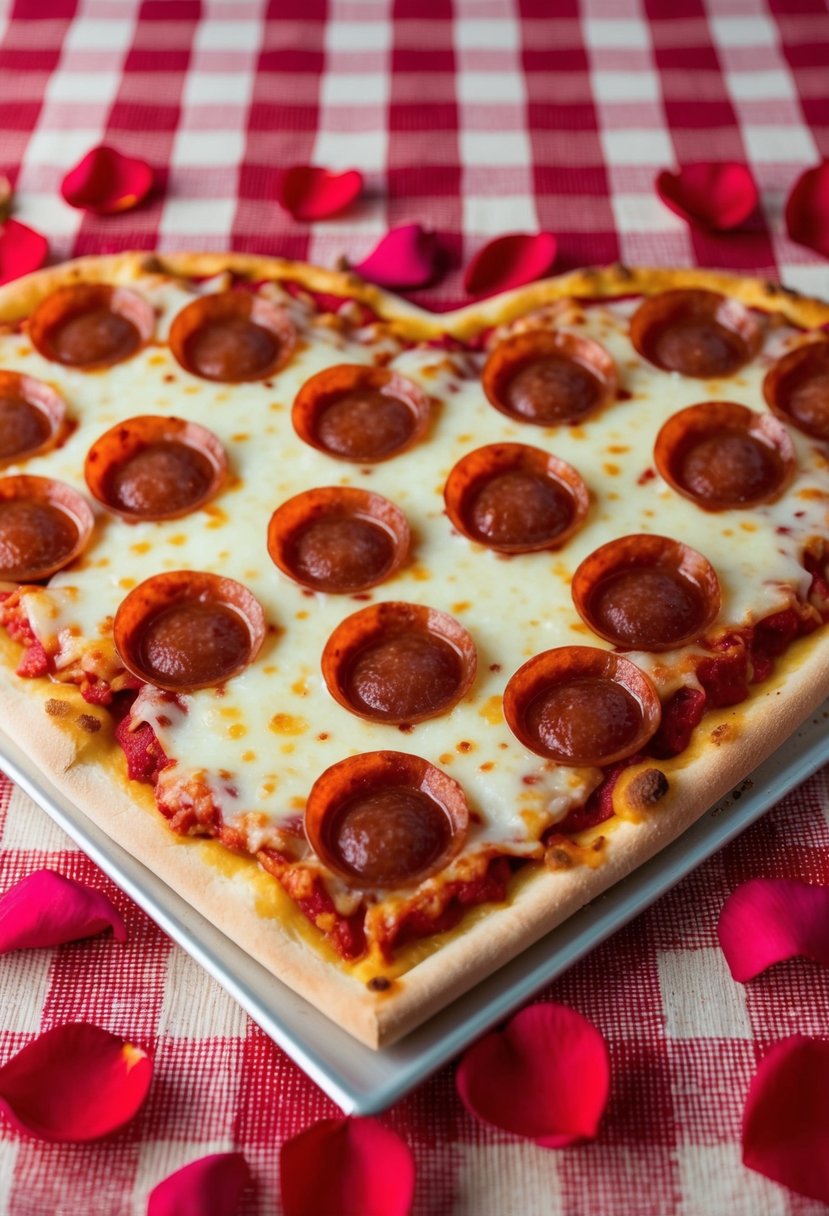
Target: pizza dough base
(726, 746)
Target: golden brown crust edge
(18, 298)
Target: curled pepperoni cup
(155, 468)
(646, 593)
(396, 662)
(91, 325)
(32, 417)
(578, 705)
(338, 539)
(364, 414)
(549, 378)
(696, 333)
(722, 455)
(44, 525)
(386, 819)
(186, 630)
(515, 498)
(232, 336)
(797, 389)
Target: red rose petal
(311, 193)
(406, 257)
(715, 196)
(807, 209)
(47, 909)
(22, 250)
(346, 1167)
(546, 1076)
(211, 1186)
(510, 261)
(106, 181)
(75, 1082)
(786, 1117)
(768, 920)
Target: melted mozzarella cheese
(263, 739)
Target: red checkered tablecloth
(473, 117)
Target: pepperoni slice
(582, 706)
(155, 468)
(549, 378)
(232, 336)
(44, 525)
(338, 539)
(358, 413)
(396, 663)
(797, 389)
(646, 593)
(515, 499)
(91, 325)
(386, 819)
(32, 417)
(722, 455)
(187, 629)
(696, 333)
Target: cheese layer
(262, 740)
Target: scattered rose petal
(22, 250)
(47, 909)
(546, 1076)
(211, 1186)
(106, 182)
(786, 1117)
(807, 209)
(75, 1082)
(310, 193)
(715, 196)
(346, 1167)
(510, 261)
(768, 920)
(405, 258)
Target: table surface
(473, 117)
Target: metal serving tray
(363, 1081)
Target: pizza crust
(725, 748)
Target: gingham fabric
(473, 117)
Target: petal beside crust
(768, 920)
(786, 1117)
(545, 1076)
(807, 209)
(22, 250)
(210, 1186)
(48, 909)
(405, 258)
(75, 1082)
(510, 261)
(346, 1167)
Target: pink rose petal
(346, 1167)
(75, 1082)
(710, 195)
(311, 193)
(807, 209)
(211, 1186)
(510, 261)
(106, 182)
(546, 1076)
(22, 250)
(47, 909)
(405, 258)
(768, 920)
(786, 1117)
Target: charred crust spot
(56, 708)
(722, 733)
(151, 265)
(378, 983)
(647, 788)
(556, 857)
(624, 272)
(89, 723)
